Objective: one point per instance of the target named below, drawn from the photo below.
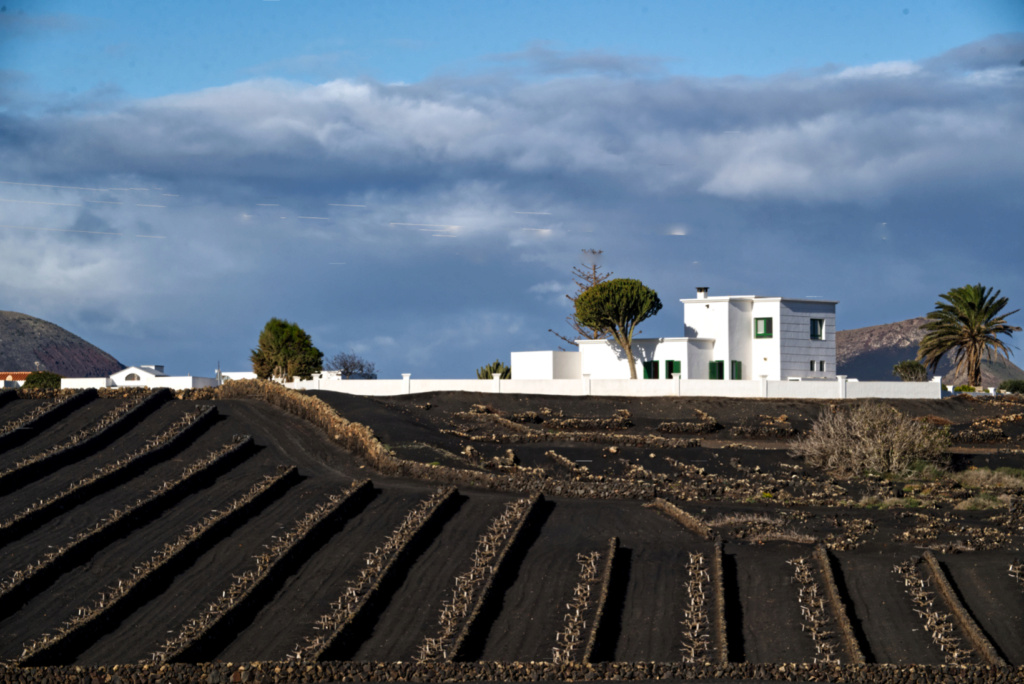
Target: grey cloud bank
(878, 186)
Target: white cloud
(880, 69)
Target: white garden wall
(546, 365)
(84, 383)
(776, 389)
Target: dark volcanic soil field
(95, 549)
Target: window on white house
(762, 327)
(132, 376)
(650, 370)
(817, 328)
(716, 370)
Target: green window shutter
(673, 368)
(716, 370)
(762, 327)
(650, 370)
(647, 370)
(737, 370)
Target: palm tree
(966, 323)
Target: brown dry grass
(744, 519)
(985, 478)
(784, 535)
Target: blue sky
(414, 181)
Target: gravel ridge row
(602, 597)
(90, 439)
(16, 588)
(64, 402)
(347, 609)
(487, 591)
(963, 618)
(839, 614)
(162, 561)
(108, 476)
(190, 637)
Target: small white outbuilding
(141, 376)
(736, 337)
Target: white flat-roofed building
(141, 376)
(744, 337)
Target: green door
(673, 368)
(650, 370)
(716, 370)
(737, 370)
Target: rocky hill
(28, 343)
(870, 353)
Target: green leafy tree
(285, 350)
(617, 307)
(910, 371)
(1013, 386)
(497, 368)
(967, 323)
(585, 276)
(42, 380)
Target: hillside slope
(870, 353)
(26, 340)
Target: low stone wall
(849, 639)
(438, 671)
(719, 635)
(982, 646)
(687, 520)
(602, 598)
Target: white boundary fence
(841, 388)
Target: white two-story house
(726, 338)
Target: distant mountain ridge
(28, 343)
(870, 354)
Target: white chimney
(702, 293)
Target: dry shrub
(871, 437)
